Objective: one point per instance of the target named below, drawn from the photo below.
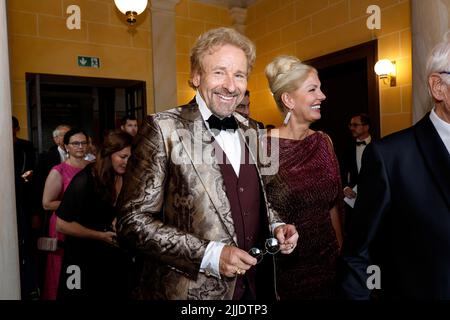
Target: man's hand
(349, 193)
(27, 175)
(287, 236)
(234, 261)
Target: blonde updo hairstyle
(286, 74)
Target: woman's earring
(286, 120)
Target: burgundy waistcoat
(244, 194)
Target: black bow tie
(361, 143)
(228, 123)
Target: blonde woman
(306, 191)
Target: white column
(239, 16)
(9, 251)
(164, 54)
(430, 21)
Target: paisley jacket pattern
(173, 203)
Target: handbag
(47, 243)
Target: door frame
(34, 81)
(369, 52)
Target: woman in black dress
(94, 267)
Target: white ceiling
(229, 3)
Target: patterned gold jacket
(173, 203)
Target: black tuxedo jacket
(349, 168)
(402, 218)
(46, 161)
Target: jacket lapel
(435, 154)
(198, 144)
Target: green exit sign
(90, 62)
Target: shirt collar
(204, 110)
(442, 127)
(62, 154)
(367, 140)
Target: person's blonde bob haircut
(215, 38)
(286, 74)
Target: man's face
(59, 139)
(358, 129)
(223, 79)
(131, 127)
(244, 106)
(443, 99)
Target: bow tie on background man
(228, 123)
(361, 143)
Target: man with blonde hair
(399, 239)
(192, 214)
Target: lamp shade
(125, 6)
(384, 67)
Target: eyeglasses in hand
(272, 246)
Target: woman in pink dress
(75, 142)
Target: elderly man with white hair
(399, 240)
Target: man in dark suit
(195, 216)
(24, 157)
(351, 162)
(401, 224)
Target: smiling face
(223, 79)
(119, 160)
(305, 101)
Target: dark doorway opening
(95, 105)
(351, 87)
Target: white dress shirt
(442, 128)
(227, 140)
(231, 145)
(62, 154)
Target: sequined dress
(303, 191)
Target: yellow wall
(192, 19)
(309, 29)
(39, 42)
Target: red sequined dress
(303, 191)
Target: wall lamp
(387, 71)
(131, 8)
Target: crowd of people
(168, 213)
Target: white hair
(439, 59)
(57, 130)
